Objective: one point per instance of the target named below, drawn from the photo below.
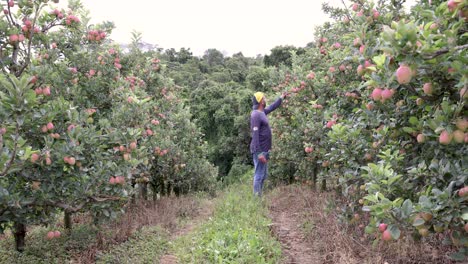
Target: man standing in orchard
(261, 138)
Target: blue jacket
(260, 128)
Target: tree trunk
(324, 185)
(314, 177)
(67, 220)
(144, 191)
(20, 234)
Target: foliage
(386, 143)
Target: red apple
(46, 91)
(421, 138)
(355, 7)
(112, 180)
(452, 5)
(50, 126)
(427, 88)
(362, 48)
(50, 235)
(387, 94)
(11, 3)
(71, 161)
(404, 74)
(133, 145)
(35, 157)
(386, 235)
(357, 42)
(445, 137)
(382, 227)
(57, 234)
(14, 38)
(377, 94)
(360, 70)
(331, 69)
(2, 131)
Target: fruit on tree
(427, 88)
(458, 136)
(133, 145)
(421, 138)
(50, 235)
(382, 227)
(57, 234)
(50, 126)
(360, 70)
(463, 192)
(112, 180)
(35, 157)
(308, 149)
(387, 94)
(445, 137)
(386, 235)
(462, 124)
(377, 94)
(404, 74)
(71, 161)
(452, 5)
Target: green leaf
(379, 60)
(407, 208)
(395, 232)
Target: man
(261, 138)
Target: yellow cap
(259, 96)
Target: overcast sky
(250, 26)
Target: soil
(310, 232)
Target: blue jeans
(260, 173)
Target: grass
(145, 246)
(238, 232)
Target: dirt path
(286, 209)
(206, 210)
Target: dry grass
(333, 242)
(165, 212)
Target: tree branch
(445, 50)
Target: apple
(463, 191)
(462, 124)
(309, 149)
(57, 234)
(48, 161)
(452, 5)
(382, 227)
(370, 106)
(357, 42)
(387, 94)
(149, 132)
(337, 45)
(355, 7)
(386, 235)
(14, 38)
(377, 94)
(133, 145)
(434, 26)
(35, 157)
(362, 48)
(46, 91)
(6, 12)
(458, 136)
(50, 235)
(331, 123)
(50, 126)
(2, 131)
(71, 161)
(445, 137)
(360, 70)
(11, 3)
(112, 180)
(427, 88)
(311, 75)
(404, 74)
(421, 138)
(126, 156)
(375, 14)
(331, 69)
